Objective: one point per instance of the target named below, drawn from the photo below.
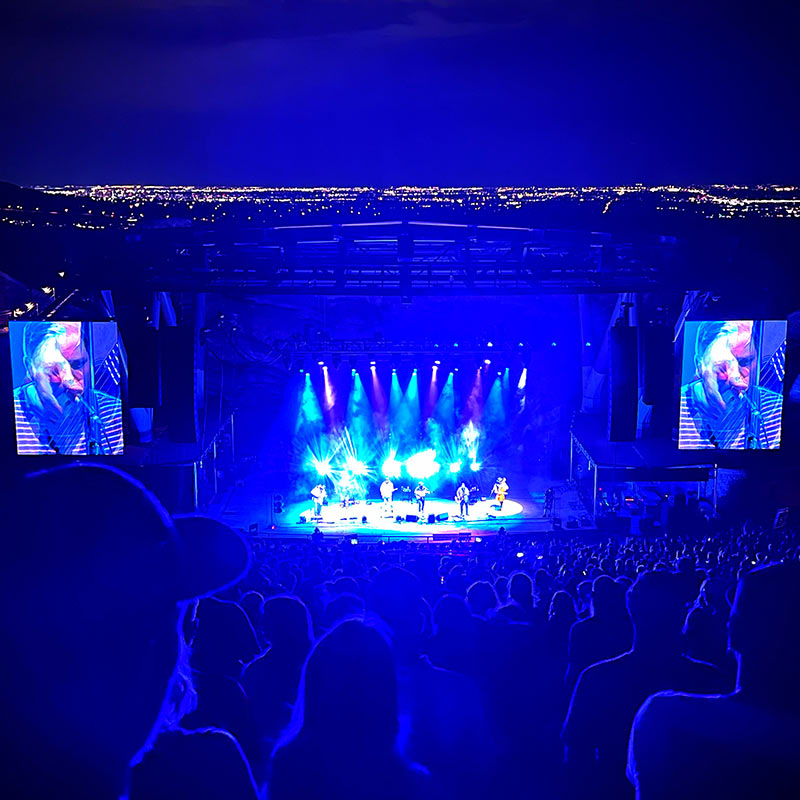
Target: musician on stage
(347, 490)
(318, 494)
(387, 490)
(420, 493)
(462, 497)
(500, 490)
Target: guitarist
(462, 498)
(420, 493)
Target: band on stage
(347, 491)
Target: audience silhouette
(144, 659)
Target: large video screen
(732, 385)
(66, 378)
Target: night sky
(388, 92)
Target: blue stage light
(322, 467)
(489, 344)
(487, 361)
(391, 467)
(455, 466)
(422, 464)
(475, 466)
(355, 466)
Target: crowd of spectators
(146, 657)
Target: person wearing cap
(92, 588)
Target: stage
(249, 507)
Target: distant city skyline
(129, 205)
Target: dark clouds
(397, 91)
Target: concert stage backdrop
(66, 381)
(732, 384)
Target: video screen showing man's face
(65, 403)
(732, 384)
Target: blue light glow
(391, 467)
(455, 466)
(323, 467)
(355, 466)
(423, 464)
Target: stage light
(355, 466)
(437, 362)
(394, 369)
(372, 363)
(391, 467)
(475, 466)
(588, 344)
(455, 344)
(553, 344)
(354, 540)
(455, 369)
(489, 344)
(499, 372)
(520, 555)
(422, 464)
(353, 371)
(487, 361)
(322, 467)
(455, 466)
(321, 363)
(478, 539)
(29, 306)
(48, 289)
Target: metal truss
(410, 258)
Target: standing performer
(387, 490)
(500, 490)
(318, 494)
(462, 496)
(346, 491)
(420, 493)
(549, 496)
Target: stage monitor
(66, 380)
(732, 385)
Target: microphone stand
(94, 423)
(753, 439)
(97, 424)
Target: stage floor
(377, 514)
(371, 517)
(251, 504)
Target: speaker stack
(623, 398)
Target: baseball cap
(94, 529)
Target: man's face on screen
(725, 365)
(61, 361)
